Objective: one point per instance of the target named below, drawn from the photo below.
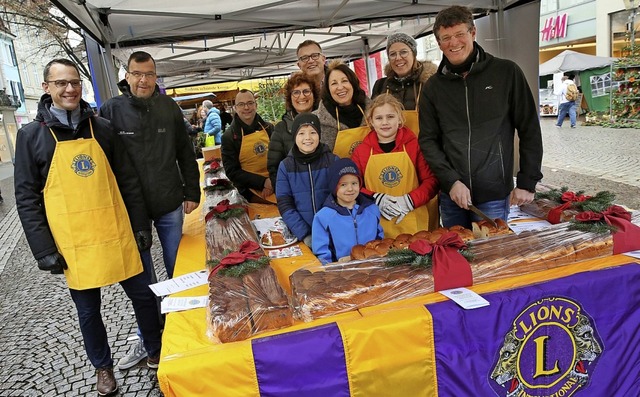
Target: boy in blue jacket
(303, 177)
(347, 217)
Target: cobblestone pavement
(41, 351)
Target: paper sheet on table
(519, 227)
(515, 213)
(633, 254)
(182, 283)
(177, 304)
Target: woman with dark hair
(301, 94)
(405, 76)
(341, 111)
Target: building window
(11, 55)
(601, 85)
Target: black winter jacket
(231, 142)
(280, 145)
(156, 138)
(34, 150)
(467, 127)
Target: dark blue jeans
(453, 215)
(169, 229)
(94, 334)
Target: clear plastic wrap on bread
(217, 190)
(540, 209)
(320, 291)
(240, 307)
(226, 231)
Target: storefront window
(620, 36)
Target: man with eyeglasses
(245, 144)
(80, 204)
(469, 112)
(311, 60)
(152, 128)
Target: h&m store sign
(554, 27)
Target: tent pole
(365, 55)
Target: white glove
(307, 241)
(406, 205)
(387, 204)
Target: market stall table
(423, 346)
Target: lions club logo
(259, 148)
(353, 147)
(390, 176)
(550, 351)
(83, 165)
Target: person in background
(405, 76)
(212, 124)
(1, 199)
(303, 177)
(81, 207)
(244, 150)
(347, 217)
(394, 169)
(469, 112)
(301, 94)
(311, 60)
(152, 128)
(341, 111)
(225, 117)
(567, 106)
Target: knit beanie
(340, 168)
(305, 119)
(402, 38)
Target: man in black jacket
(469, 111)
(152, 128)
(81, 207)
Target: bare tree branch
(39, 19)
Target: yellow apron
(395, 174)
(253, 156)
(411, 116)
(87, 216)
(347, 140)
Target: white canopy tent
(196, 42)
(568, 61)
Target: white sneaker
(136, 354)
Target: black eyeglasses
(245, 104)
(139, 75)
(296, 93)
(65, 83)
(314, 56)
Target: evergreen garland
(405, 256)
(240, 269)
(598, 203)
(231, 213)
(598, 227)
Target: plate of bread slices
(273, 233)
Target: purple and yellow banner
(576, 335)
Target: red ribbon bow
(568, 198)
(222, 206)
(627, 235)
(450, 269)
(246, 251)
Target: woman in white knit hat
(405, 76)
